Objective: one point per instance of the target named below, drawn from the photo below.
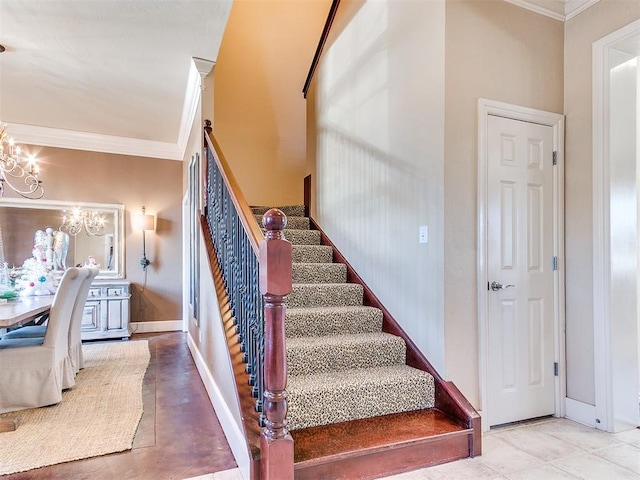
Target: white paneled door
(520, 377)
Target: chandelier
(91, 220)
(17, 171)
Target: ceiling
(106, 75)
(118, 76)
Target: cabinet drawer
(94, 293)
(116, 292)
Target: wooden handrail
(254, 289)
(242, 206)
(320, 48)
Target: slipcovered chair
(75, 329)
(34, 371)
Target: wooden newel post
(275, 284)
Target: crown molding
(198, 71)
(571, 8)
(538, 9)
(575, 7)
(93, 142)
(96, 142)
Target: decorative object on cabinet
(26, 216)
(16, 168)
(106, 312)
(143, 222)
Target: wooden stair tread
(363, 435)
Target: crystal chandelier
(91, 220)
(17, 171)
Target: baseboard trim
(580, 412)
(160, 326)
(234, 434)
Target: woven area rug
(99, 415)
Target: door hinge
(554, 263)
(555, 369)
(555, 158)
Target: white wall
(379, 133)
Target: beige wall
(594, 23)
(259, 108)
(72, 175)
(502, 52)
(379, 133)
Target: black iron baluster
(239, 265)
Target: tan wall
(502, 52)
(72, 175)
(600, 20)
(259, 108)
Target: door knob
(495, 286)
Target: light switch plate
(424, 234)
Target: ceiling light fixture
(16, 169)
(92, 220)
(2, 49)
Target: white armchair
(33, 373)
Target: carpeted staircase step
(311, 355)
(311, 254)
(324, 398)
(296, 223)
(303, 322)
(302, 237)
(324, 295)
(288, 210)
(319, 273)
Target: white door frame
(556, 121)
(604, 385)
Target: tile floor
(547, 449)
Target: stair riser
(298, 223)
(324, 295)
(344, 353)
(303, 237)
(311, 254)
(319, 273)
(288, 210)
(308, 322)
(339, 403)
(370, 463)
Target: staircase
(356, 409)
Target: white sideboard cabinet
(106, 312)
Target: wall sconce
(143, 222)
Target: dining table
(19, 310)
(15, 312)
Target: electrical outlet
(423, 234)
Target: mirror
(21, 218)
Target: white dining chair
(34, 371)
(76, 359)
(75, 327)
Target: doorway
(616, 116)
(520, 262)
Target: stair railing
(257, 278)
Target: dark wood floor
(179, 435)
